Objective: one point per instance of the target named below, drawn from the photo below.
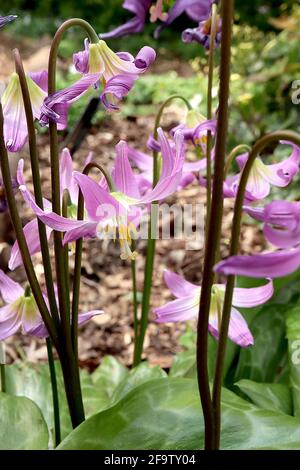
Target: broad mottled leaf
(166, 414)
(139, 375)
(33, 381)
(276, 397)
(22, 426)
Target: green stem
(135, 299)
(17, 224)
(149, 264)
(214, 227)
(211, 55)
(54, 392)
(65, 204)
(257, 149)
(68, 359)
(3, 378)
(37, 184)
(78, 254)
(236, 151)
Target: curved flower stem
(214, 226)
(257, 149)
(78, 254)
(17, 224)
(67, 356)
(211, 55)
(54, 392)
(152, 235)
(234, 152)
(37, 185)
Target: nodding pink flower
(281, 222)
(6, 19)
(202, 34)
(282, 229)
(117, 213)
(20, 311)
(262, 176)
(136, 24)
(144, 163)
(197, 10)
(118, 71)
(31, 228)
(186, 306)
(15, 126)
(55, 107)
(272, 264)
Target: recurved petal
(123, 175)
(238, 330)
(9, 289)
(179, 286)
(182, 309)
(273, 265)
(99, 203)
(252, 296)
(33, 241)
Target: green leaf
(166, 414)
(276, 397)
(260, 362)
(33, 381)
(22, 426)
(109, 374)
(293, 335)
(139, 375)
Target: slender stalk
(65, 204)
(134, 297)
(78, 254)
(152, 234)
(2, 368)
(3, 378)
(257, 149)
(214, 227)
(17, 224)
(211, 55)
(234, 152)
(37, 184)
(68, 360)
(54, 393)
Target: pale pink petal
(252, 296)
(238, 331)
(123, 175)
(33, 241)
(179, 286)
(9, 289)
(99, 203)
(181, 309)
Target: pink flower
(118, 212)
(31, 228)
(15, 126)
(186, 306)
(21, 312)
